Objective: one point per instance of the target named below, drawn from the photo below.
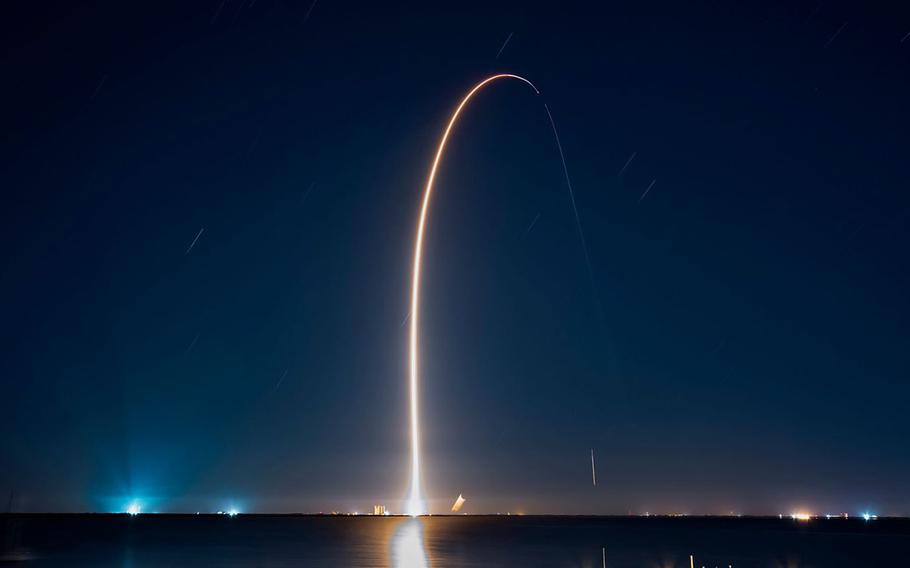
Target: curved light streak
(416, 504)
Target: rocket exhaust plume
(416, 504)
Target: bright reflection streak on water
(216, 541)
(407, 545)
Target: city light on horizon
(807, 511)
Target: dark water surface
(443, 542)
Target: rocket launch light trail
(416, 504)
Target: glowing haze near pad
(416, 504)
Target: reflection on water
(407, 549)
(219, 541)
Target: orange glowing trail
(416, 504)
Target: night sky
(745, 346)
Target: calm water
(158, 540)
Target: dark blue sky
(751, 349)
